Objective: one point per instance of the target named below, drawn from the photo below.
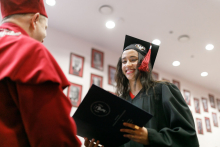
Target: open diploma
(101, 116)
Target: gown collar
(13, 27)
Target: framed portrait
(199, 125)
(177, 83)
(96, 80)
(76, 65)
(205, 104)
(212, 100)
(155, 75)
(74, 94)
(187, 96)
(197, 106)
(111, 75)
(208, 124)
(218, 104)
(97, 59)
(215, 120)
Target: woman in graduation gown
(172, 124)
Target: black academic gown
(172, 124)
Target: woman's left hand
(136, 133)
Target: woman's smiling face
(129, 63)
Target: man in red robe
(33, 108)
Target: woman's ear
(35, 18)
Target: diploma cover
(101, 115)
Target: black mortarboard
(141, 47)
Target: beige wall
(61, 45)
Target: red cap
(10, 7)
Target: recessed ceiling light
(106, 9)
(209, 47)
(156, 41)
(183, 38)
(110, 24)
(176, 63)
(51, 2)
(204, 74)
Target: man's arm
(45, 112)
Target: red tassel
(145, 63)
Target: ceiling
(165, 20)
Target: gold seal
(140, 47)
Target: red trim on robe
(131, 95)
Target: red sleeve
(45, 112)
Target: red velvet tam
(10, 7)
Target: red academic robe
(33, 109)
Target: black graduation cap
(141, 47)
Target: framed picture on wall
(218, 104)
(155, 75)
(199, 126)
(76, 65)
(177, 83)
(215, 120)
(96, 80)
(74, 94)
(97, 59)
(197, 106)
(205, 104)
(187, 96)
(111, 75)
(208, 124)
(212, 100)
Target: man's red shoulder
(26, 60)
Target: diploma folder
(101, 115)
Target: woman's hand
(136, 133)
(88, 143)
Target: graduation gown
(33, 108)
(172, 124)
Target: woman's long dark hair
(122, 83)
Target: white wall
(61, 45)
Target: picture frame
(205, 104)
(111, 75)
(76, 65)
(187, 96)
(96, 80)
(177, 83)
(199, 126)
(197, 105)
(218, 104)
(208, 124)
(74, 93)
(155, 75)
(215, 119)
(97, 59)
(212, 100)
